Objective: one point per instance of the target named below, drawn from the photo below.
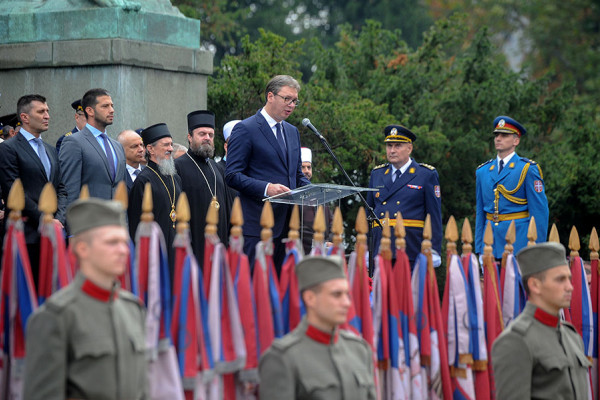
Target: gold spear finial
(488, 240)
(466, 237)
(400, 232)
(16, 200)
(319, 225)
(48, 203)
(553, 237)
(183, 213)
(532, 232)
(451, 235)
(294, 233)
(574, 243)
(337, 228)
(121, 195)
(147, 204)
(84, 193)
(237, 218)
(594, 245)
(362, 228)
(266, 221)
(385, 245)
(212, 218)
(508, 247)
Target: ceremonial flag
(408, 327)
(333, 251)
(362, 322)
(595, 298)
(455, 311)
(581, 305)
(513, 292)
(430, 329)
(477, 326)
(266, 293)
(17, 302)
(381, 333)
(492, 310)
(163, 378)
(292, 308)
(129, 280)
(55, 269)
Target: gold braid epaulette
(431, 167)
(380, 166)
(508, 194)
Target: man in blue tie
(509, 188)
(411, 188)
(28, 157)
(91, 157)
(263, 160)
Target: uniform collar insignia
(98, 293)
(322, 337)
(545, 318)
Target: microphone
(306, 123)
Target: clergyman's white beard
(166, 166)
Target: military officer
(317, 360)
(539, 356)
(80, 122)
(409, 187)
(509, 188)
(87, 341)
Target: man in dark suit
(91, 157)
(27, 157)
(263, 160)
(134, 155)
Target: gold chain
(214, 195)
(172, 214)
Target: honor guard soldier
(87, 341)
(409, 187)
(509, 188)
(539, 356)
(317, 360)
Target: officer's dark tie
(136, 173)
(109, 155)
(501, 166)
(396, 175)
(280, 138)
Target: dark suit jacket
(19, 160)
(83, 161)
(254, 159)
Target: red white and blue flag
(55, 269)
(18, 301)
(513, 292)
(595, 298)
(152, 264)
(362, 322)
(292, 308)
(492, 310)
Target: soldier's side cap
(504, 124)
(86, 214)
(76, 105)
(200, 118)
(398, 134)
(318, 269)
(305, 154)
(542, 256)
(155, 132)
(228, 127)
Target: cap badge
(394, 131)
(501, 123)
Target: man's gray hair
(279, 81)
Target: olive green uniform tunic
(311, 364)
(86, 342)
(540, 357)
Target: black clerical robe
(161, 201)
(200, 196)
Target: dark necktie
(109, 155)
(396, 175)
(136, 173)
(280, 139)
(501, 166)
(43, 156)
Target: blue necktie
(109, 155)
(43, 156)
(501, 166)
(280, 139)
(396, 175)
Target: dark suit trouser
(250, 243)
(33, 250)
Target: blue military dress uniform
(514, 194)
(415, 194)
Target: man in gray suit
(91, 157)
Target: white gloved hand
(435, 257)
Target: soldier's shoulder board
(527, 160)
(521, 325)
(380, 166)
(567, 324)
(61, 299)
(485, 163)
(285, 342)
(68, 133)
(431, 167)
(130, 297)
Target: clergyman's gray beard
(204, 151)
(166, 166)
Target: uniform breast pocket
(554, 363)
(322, 388)
(364, 384)
(93, 347)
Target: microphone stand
(371, 217)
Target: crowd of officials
(263, 158)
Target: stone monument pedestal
(150, 62)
